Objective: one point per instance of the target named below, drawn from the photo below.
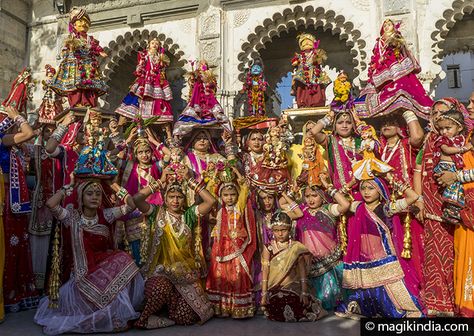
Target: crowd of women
(153, 225)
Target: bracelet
(67, 190)
(305, 294)
(154, 185)
(465, 176)
(263, 280)
(292, 206)
(230, 149)
(417, 170)
(193, 183)
(59, 133)
(326, 121)
(409, 116)
(122, 193)
(420, 198)
(332, 192)
(19, 120)
(303, 280)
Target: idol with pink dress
(150, 94)
(393, 84)
(203, 109)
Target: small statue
(52, 104)
(150, 94)
(274, 149)
(309, 81)
(313, 163)
(255, 86)
(78, 75)
(203, 109)
(20, 92)
(93, 160)
(370, 149)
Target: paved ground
(21, 324)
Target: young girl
(449, 147)
(316, 228)
(229, 282)
(285, 290)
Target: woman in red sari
(229, 281)
(438, 265)
(105, 286)
(18, 288)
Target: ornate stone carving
(103, 5)
(209, 23)
(361, 4)
(187, 26)
(241, 17)
(395, 7)
(210, 52)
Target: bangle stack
(67, 190)
(154, 186)
(409, 116)
(122, 193)
(196, 186)
(19, 120)
(332, 192)
(59, 133)
(292, 206)
(326, 121)
(231, 149)
(465, 176)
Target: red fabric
(82, 97)
(18, 95)
(19, 280)
(458, 141)
(438, 267)
(313, 96)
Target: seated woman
(285, 292)
(105, 286)
(175, 264)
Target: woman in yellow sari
(175, 262)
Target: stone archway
(335, 32)
(302, 18)
(121, 62)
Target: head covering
(49, 69)
(380, 185)
(189, 145)
(396, 26)
(76, 14)
(454, 103)
(141, 141)
(321, 193)
(246, 138)
(81, 188)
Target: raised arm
(343, 204)
(290, 207)
(24, 134)
(414, 128)
(55, 138)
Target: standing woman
(438, 265)
(371, 267)
(105, 285)
(175, 261)
(5, 125)
(399, 151)
(19, 287)
(342, 147)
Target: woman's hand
(446, 178)
(12, 112)
(324, 181)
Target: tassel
(54, 281)
(343, 234)
(406, 253)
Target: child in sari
(285, 290)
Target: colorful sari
(402, 157)
(106, 286)
(438, 266)
(229, 281)
(372, 270)
(319, 234)
(464, 249)
(173, 269)
(284, 286)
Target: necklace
(392, 152)
(89, 222)
(177, 223)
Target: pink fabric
(319, 236)
(136, 182)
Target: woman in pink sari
(371, 267)
(342, 147)
(137, 175)
(399, 151)
(392, 82)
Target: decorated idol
(78, 75)
(309, 80)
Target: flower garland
(257, 89)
